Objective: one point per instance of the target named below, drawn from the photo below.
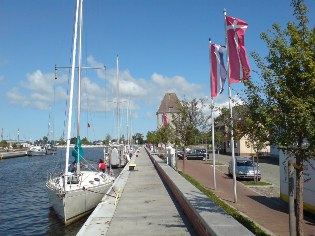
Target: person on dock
(102, 166)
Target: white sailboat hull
(80, 199)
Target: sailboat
(77, 191)
(51, 149)
(117, 157)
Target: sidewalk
(154, 199)
(145, 206)
(266, 212)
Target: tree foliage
(165, 134)
(85, 141)
(3, 143)
(138, 137)
(190, 120)
(283, 102)
(152, 137)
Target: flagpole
(230, 107)
(212, 123)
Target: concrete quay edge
(206, 217)
(6, 155)
(98, 222)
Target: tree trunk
(299, 197)
(184, 160)
(256, 168)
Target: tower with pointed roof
(169, 106)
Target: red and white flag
(164, 119)
(218, 71)
(238, 63)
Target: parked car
(244, 168)
(194, 154)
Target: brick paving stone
(271, 213)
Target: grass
(246, 222)
(258, 183)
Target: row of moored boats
(40, 150)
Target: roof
(169, 103)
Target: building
(242, 146)
(169, 106)
(308, 185)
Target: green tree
(3, 143)
(45, 139)
(73, 140)
(190, 120)
(165, 134)
(61, 141)
(237, 121)
(152, 137)
(138, 138)
(219, 139)
(256, 135)
(283, 102)
(85, 141)
(107, 139)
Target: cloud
(219, 103)
(40, 90)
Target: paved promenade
(146, 205)
(272, 215)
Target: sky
(162, 46)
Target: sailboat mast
(79, 69)
(74, 49)
(127, 122)
(79, 88)
(117, 105)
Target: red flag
(218, 71)
(238, 63)
(164, 119)
(89, 125)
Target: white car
(244, 168)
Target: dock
(4, 155)
(153, 199)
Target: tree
(45, 139)
(3, 143)
(73, 140)
(283, 102)
(85, 141)
(238, 121)
(219, 138)
(138, 138)
(165, 134)
(152, 137)
(107, 139)
(256, 135)
(190, 120)
(62, 141)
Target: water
(24, 205)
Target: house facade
(242, 146)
